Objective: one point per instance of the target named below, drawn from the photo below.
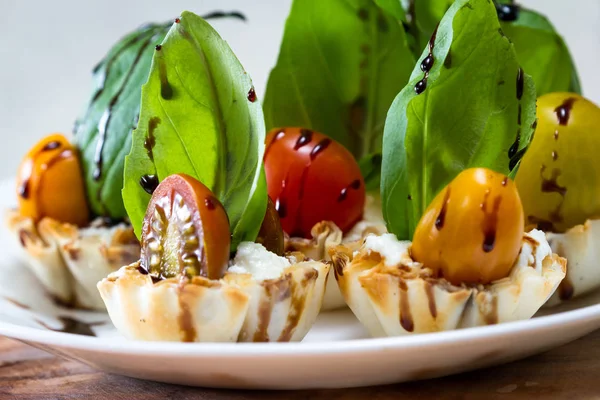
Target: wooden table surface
(569, 372)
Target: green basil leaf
(478, 108)
(370, 168)
(394, 8)
(427, 15)
(543, 53)
(200, 116)
(103, 133)
(340, 65)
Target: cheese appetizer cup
(185, 289)
(469, 264)
(66, 251)
(326, 235)
(320, 196)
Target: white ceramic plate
(335, 354)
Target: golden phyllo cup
(581, 246)
(196, 310)
(274, 299)
(326, 235)
(69, 261)
(282, 309)
(392, 295)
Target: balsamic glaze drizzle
(507, 12)
(104, 122)
(319, 147)
(427, 64)
(514, 155)
(150, 141)
(563, 112)
(149, 183)
(344, 193)
(252, 95)
(51, 146)
(304, 139)
(439, 222)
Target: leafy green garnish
(340, 65)
(541, 51)
(200, 116)
(103, 132)
(476, 109)
(103, 135)
(426, 15)
(393, 7)
(370, 168)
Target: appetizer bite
(446, 184)
(70, 224)
(66, 250)
(212, 265)
(319, 194)
(469, 264)
(184, 288)
(559, 185)
(325, 111)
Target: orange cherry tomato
(312, 178)
(473, 229)
(50, 183)
(186, 231)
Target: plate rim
(321, 348)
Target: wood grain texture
(569, 372)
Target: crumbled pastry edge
(580, 245)
(326, 235)
(478, 304)
(69, 261)
(280, 309)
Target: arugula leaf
(199, 116)
(476, 109)
(340, 65)
(103, 132)
(542, 53)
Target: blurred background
(49, 48)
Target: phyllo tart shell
(581, 246)
(326, 235)
(70, 261)
(392, 295)
(239, 307)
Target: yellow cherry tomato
(559, 176)
(472, 231)
(50, 183)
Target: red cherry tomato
(312, 178)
